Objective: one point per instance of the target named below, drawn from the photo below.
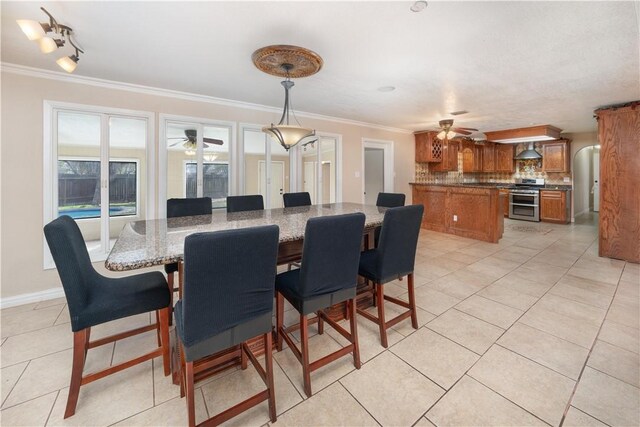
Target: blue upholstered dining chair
(387, 200)
(328, 275)
(245, 203)
(227, 299)
(93, 299)
(390, 200)
(292, 200)
(393, 258)
(177, 208)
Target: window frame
(50, 159)
(318, 167)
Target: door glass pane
(215, 171)
(78, 164)
(309, 169)
(255, 171)
(127, 167)
(328, 164)
(181, 160)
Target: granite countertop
(557, 187)
(491, 185)
(149, 243)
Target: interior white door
(596, 179)
(277, 184)
(373, 174)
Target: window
(196, 160)
(79, 188)
(320, 169)
(97, 170)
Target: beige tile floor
(534, 330)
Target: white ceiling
(511, 64)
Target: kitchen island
(466, 210)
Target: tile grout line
(52, 406)
(15, 384)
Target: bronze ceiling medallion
(287, 61)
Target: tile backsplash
(524, 169)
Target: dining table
(154, 242)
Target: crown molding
(169, 93)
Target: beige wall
(22, 132)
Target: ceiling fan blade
(461, 131)
(471, 129)
(175, 143)
(213, 141)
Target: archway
(585, 184)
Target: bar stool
(245, 203)
(177, 208)
(393, 258)
(292, 200)
(328, 276)
(227, 299)
(93, 299)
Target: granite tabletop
(149, 243)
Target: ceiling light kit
(37, 32)
(418, 6)
(289, 62)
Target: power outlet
(455, 218)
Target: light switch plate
(357, 174)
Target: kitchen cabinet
(471, 157)
(555, 206)
(504, 197)
(428, 147)
(619, 139)
(449, 161)
(488, 157)
(504, 158)
(556, 156)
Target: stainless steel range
(524, 199)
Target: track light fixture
(37, 32)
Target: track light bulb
(48, 45)
(32, 29)
(68, 63)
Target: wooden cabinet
(488, 157)
(504, 158)
(449, 158)
(504, 197)
(556, 156)
(619, 139)
(554, 206)
(428, 147)
(471, 157)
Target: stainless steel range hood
(529, 153)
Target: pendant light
(289, 62)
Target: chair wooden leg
(163, 318)
(320, 324)
(80, 339)
(191, 405)
(158, 339)
(243, 358)
(170, 278)
(279, 319)
(412, 302)
(182, 372)
(304, 343)
(381, 319)
(268, 360)
(354, 332)
(86, 343)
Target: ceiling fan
(190, 140)
(450, 132)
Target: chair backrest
(188, 207)
(291, 200)
(331, 254)
(398, 240)
(390, 200)
(229, 278)
(245, 203)
(72, 261)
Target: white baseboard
(31, 297)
